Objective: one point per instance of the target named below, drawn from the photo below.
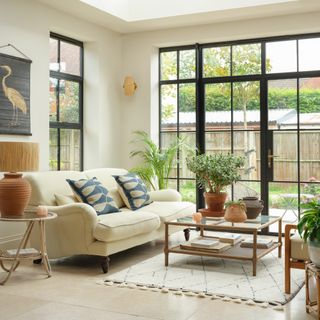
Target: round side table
(22, 253)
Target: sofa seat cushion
(123, 225)
(168, 211)
(299, 249)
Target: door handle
(270, 158)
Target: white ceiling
(127, 16)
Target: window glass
(168, 65)
(216, 62)
(246, 59)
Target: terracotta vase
(215, 203)
(235, 213)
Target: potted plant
(157, 164)
(309, 229)
(235, 211)
(214, 173)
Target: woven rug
(215, 278)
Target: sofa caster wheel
(37, 261)
(187, 234)
(105, 264)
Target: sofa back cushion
(105, 176)
(46, 184)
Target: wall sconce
(129, 86)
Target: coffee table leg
(254, 254)
(44, 254)
(280, 238)
(166, 245)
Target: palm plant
(156, 163)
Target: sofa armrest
(165, 195)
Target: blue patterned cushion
(92, 192)
(133, 191)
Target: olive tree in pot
(214, 172)
(309, 229)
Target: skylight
(137, 10)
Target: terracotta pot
(235, 213)
(215, 202)
(254, 206)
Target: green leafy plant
(215, 171)
(156, 163)
(239, 203)
(309, 224)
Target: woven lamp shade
(15, 192)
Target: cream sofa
(78, 229)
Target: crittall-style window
(257, 98)
(65, 107)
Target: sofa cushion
(133, 191)
(62, 199)
(92, 192)
(299, 249)
(126, 224)
(168, 211)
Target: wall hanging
(14, 93)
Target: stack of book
(261, 243)
(232, 238)
(205, 245)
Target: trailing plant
(309, 224)
(156, 163)
(214, 172)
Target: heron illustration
(14, 96)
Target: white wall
(26, 25)
(140, 54)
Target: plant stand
(312, 306)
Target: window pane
(218, 106)
(189, 139)
(309, 103)
(310, 190)
(169, 107)
(70, 58)
(309, 53)
(69, 101)
(246, 59)
(188, 190)
(310, 155)
(53, 46)
(216, 62)
(246, 105)
(218, 142)
(70, 149)
(168, 65)
(53, 149)
(247, 144)
(53, 87)
(285, 151)
(187, 64)
(187, 107)
(281, 56)
(167, 139)
(173, 184)
(282, 104)
(246, 189)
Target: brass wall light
(129, 86)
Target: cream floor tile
(13, 305)
(54, 311)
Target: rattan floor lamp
(15, 192)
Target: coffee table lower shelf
(235, 252)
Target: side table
(21, 253)
(312, 306)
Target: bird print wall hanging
(14, 95)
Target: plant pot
(235, 213)
(215, 203)
(314, 252)
(254, 206)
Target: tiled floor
(72, 293)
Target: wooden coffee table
(235, 252)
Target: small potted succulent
(309, 229)
(235, 211)
(214, 173)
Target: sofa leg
(187, 234)
(105, 264)
(37, 261)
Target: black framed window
(259, 98)
(66, 103)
